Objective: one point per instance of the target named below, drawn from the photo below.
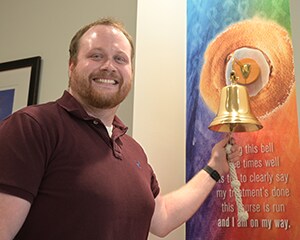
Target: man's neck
(105, 115)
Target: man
(69, 171)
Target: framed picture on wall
(19, 82)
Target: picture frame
(19, 83)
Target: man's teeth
(108, 81)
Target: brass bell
(234, 113)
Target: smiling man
(101, 71)
(68, 170)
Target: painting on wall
(218, 32)
(19, 82)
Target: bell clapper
(235, 184)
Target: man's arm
(175, 208)
(13, 212)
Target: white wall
(159, 106)
(295, 8)
(39, 27)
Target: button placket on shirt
(115, 147)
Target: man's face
(102, 75)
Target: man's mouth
(105, 81)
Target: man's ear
(71, 66)
(71, 63)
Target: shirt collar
(71, 105)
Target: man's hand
(219, 158)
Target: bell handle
(235, 184)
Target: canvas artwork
(19, 83)
(6, 102)
(221, 34)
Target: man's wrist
(212, 172)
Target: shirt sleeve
(154, 185)
(22, 156)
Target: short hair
(74, 44)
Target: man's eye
(97, 56)
(120, 59)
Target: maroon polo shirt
(82, 184)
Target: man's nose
(108, 65)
